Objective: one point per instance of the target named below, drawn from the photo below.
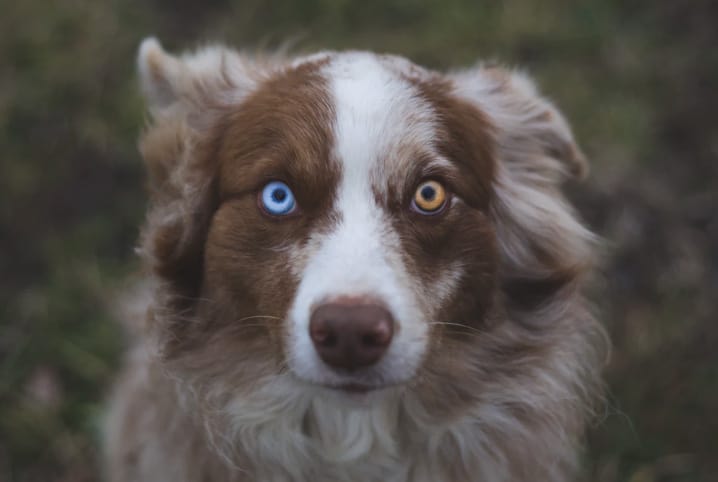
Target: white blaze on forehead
(376, 112)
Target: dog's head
(353, 221)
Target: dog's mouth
(359, 382)
(355, 388)
(359, 388)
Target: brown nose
(351, 334)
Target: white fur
(361, 256)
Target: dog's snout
(351, 334)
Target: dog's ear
(160, 74)
(211, 75)
(187, 97)
(531, 134)
(543, 246)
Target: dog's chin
(359, 389)
(361, 395)
(355, 388)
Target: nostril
(323, 337)
(380, 335)
(370, 339)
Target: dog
(358, 269)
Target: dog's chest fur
(278, 435)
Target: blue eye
(277, 199)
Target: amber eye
(429, 198)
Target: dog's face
(348, 214)
(353, 220)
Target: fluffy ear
(208, 75)
(531, 133)
(187, 96)
(544, 247)
(159, 74)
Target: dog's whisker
(462, 326)
(267, 317)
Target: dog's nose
(350, 333)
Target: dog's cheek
(473, 298)
(455, 347)
(248, 267)
(455, 261)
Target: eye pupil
(279, 195)
(428, 193)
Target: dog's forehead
(350, 111)
(381, 120)
(355, 118)
(371, 87)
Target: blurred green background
(637, 79)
